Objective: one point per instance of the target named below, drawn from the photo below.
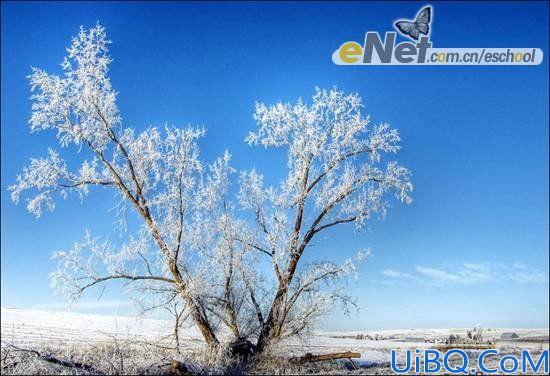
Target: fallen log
(178, 368)
(60, 362)
(309, 357)
(175, 368)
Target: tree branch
(337, 222)
(146, 263)
(127, 277)
(334, 165)
(86, 182)
(254, 246)
(181, 214)
(112, 136)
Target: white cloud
(471, 273)
(437, 275)
(395, 274)
(531, 277)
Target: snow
(30, 326)
(25, 326)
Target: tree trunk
(272, 322)
(204, 327)
(176, 333)
(200, 319)
(233, 324)
(272, 326)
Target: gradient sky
(473, 246)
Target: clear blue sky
(472, 248)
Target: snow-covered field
(22, 326)
(31, 328)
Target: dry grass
(114, 358)
(122, 358)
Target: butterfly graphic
(421, 25)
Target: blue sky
(473, 246)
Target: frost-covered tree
(337, 175)
(157, 173)
(230, 261)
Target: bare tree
(157, 173)
(336, 175)
(197, 250)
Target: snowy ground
(28, 328)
